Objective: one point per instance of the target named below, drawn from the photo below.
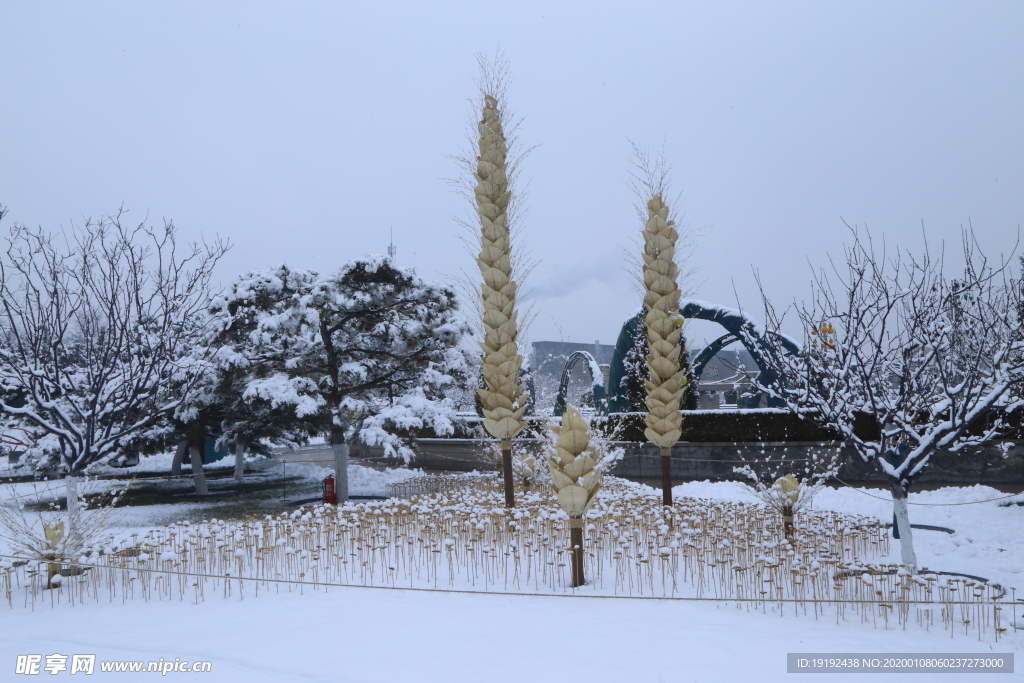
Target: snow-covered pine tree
(371, 345)
(934, 364)
(218, 408)
(634, 366)
(1020, 294)
(635, 371)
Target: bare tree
(923, 362)
(96, 324)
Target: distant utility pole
(392, 250)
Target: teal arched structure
(738, 327)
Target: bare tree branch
(94, 331)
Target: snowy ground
(385, 635)
(372, 634)
(989, 539)
(271, 486)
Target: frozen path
(382, 635)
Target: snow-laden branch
(927, 358)
(371, 345)
(96, 325)
(902, 361)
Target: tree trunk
(666, 477)
(73, 502)
(239, 461)
(74, 510)
(899, 506)
(52, 570)
(340, 448)
(576, 559)
(179, 455)
(195, 452)
(506, 469)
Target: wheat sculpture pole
(661, 299)
(503, 398)
(576, 478)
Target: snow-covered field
(989, 539)
(361, 634)
(380, 634)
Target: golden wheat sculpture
(667, 378)
(575, 478)
(503, 398)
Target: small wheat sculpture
(575, 477)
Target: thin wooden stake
(506, 467)
(666, 476)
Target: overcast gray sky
(303, 131)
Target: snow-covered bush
(26, 519)
(788, 485)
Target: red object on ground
(330, 495)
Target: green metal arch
(739, 327)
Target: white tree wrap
(574, 465)
(661, 280)
(503, 401)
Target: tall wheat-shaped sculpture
(667, 378)
(503, 399)
(576, 478)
